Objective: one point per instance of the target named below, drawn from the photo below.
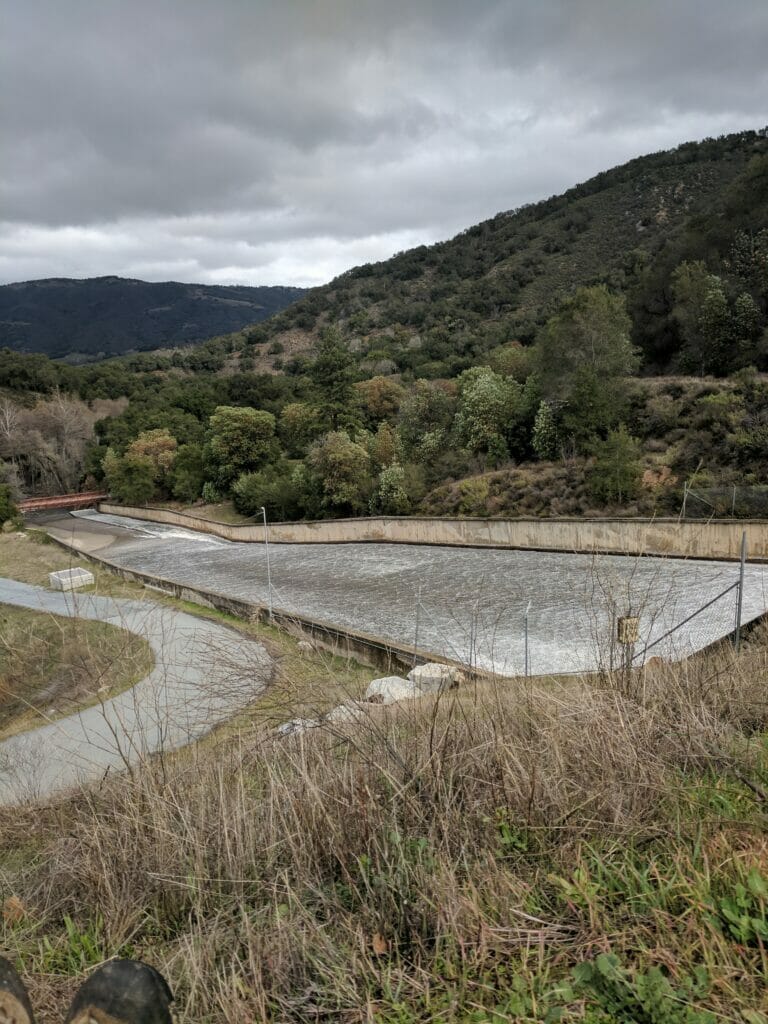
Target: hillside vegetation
(105, 316)
(435, 309)
(433, 382)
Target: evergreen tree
(489, 405)
(391, 496)
(590, 332)
(615, 474)
(159, 447)
(716, 326)
(8, 510)
(188, 473)
(332, 373)
(299, 425)
(746, 327)
(241, 440)
(342, 470)
(130, 478)
(545, 440)
(691, 281)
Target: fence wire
(734, 501)
(716, 617)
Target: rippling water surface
(465, 603)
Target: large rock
(433, 677)
(390, 689)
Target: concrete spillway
(467, 604)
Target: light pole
(269, 575)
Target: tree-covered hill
(103, 316)
(435, 309)
(414, 386)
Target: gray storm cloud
(261, 142)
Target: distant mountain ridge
(106, 316)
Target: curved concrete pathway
(204, 672)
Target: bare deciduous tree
(46, 445)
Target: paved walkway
(204, 672)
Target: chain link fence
(735, 501)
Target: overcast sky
(283, 141)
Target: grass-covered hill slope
(434, 308)
(105, 316)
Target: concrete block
(70, 579)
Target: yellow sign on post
(628, 629)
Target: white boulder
(70, 579)
(433, 677)
(390, 689)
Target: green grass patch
(52, 665)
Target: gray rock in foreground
(433, 677)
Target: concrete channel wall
(715, 539)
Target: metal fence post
(740, 594)
(416, 633)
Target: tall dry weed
(318, 875)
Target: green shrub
(631, 997)
(211, 494)
(277, 488)
(743, 913)
(8, 510)
(615, 475)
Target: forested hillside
(435, 310)
(104, 316)
(432, 383)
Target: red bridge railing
(84, 499)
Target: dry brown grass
(406, 867)
(410, 867)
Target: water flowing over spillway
(464, 603)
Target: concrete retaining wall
(717, 539)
